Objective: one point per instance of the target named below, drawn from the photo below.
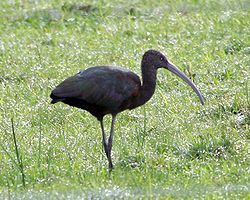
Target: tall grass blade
(19, 159)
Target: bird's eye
(161, 58)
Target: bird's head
(157, 60)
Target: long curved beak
(180, 74)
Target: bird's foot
(110, 169)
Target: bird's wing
(102, 86)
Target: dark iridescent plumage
(100, 90)
(105, 90)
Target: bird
(103, 90)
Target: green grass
(170, 148)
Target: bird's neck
(148, 83)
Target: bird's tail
(55, 99)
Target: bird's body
(100, 90)
(103, 90)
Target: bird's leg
(110, 143)
(105, 146)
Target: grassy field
(170, 148)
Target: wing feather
(103, 86)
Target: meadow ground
(170, 148)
